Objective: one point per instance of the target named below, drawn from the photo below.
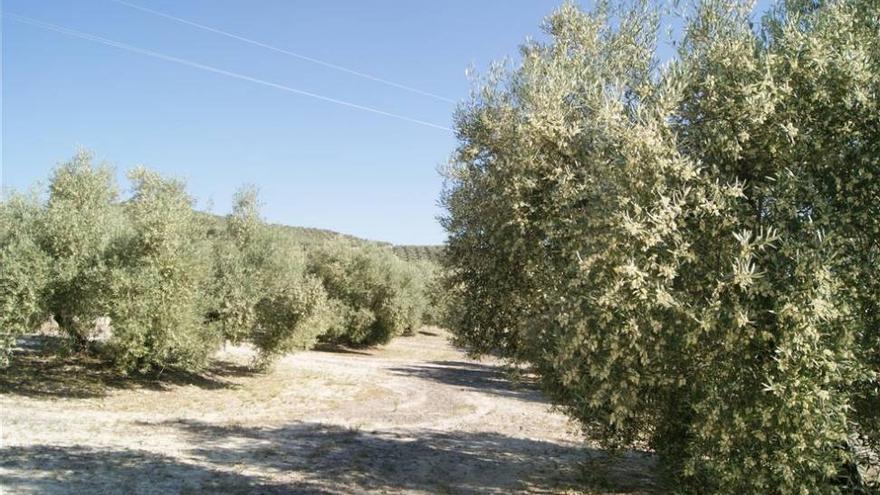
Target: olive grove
(149, 283)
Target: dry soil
(415, 416)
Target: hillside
(309, 236)
(419, 252)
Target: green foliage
(77, 225)
(431, 254)
(176, 283)
(24, 270)
(291, 318)
(429, 277)
(262, 292)
(686, 255)
(155, 281)
(242, 254)
(374, 295)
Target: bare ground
(416, 416)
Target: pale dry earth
(415, 416)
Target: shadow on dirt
(485, 378)
(338, 349)
(41, 368)
(417, 460)
(75, 469)
(319, 458)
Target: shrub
(24, 271)
(78, 224)
(790, 117)
(175, 283)
(241, 257)
(291, 317)
(429, 292)
(155, 281)
(374, 295)
(683, 254)
(261, 291)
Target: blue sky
(316, 163)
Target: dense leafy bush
(374, 295)
(430, 286)
(242, 254)
(76, 227)
(685, 255)
(261, 291)
(171, 284)
(155, 280)
(291, 317)
(24, 271)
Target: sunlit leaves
(686, 255)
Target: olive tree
(682, 252)
(241, 254)
(155, 280)
(260, 288)
(24, 272)
(374, 296)
(77, 225)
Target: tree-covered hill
(310, 236)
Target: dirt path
(415, 416)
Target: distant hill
(309, 236)
(420, 252)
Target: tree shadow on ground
(315, 458)
(339, 459)
(337, 349)
(40, 367)
(485, 378)
(76, 469)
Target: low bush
(433, 298)
(291, 318)
(374, 295)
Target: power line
(284, 51)
(189, 63)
